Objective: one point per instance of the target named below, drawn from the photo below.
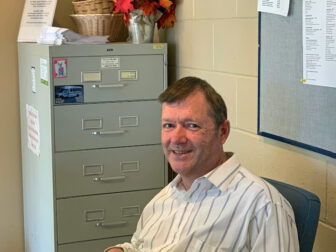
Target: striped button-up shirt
(228, 209)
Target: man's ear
(224, 130)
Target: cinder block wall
(218, 40)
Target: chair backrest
(306, 207)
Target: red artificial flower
(168, 18)
(149, 7)
(165, 3)
(166, 7)
(123, 6)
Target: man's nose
(179, 135)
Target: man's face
(191, 141)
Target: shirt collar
(220, 177)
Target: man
(213, 204)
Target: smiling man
(213, 204)
(192, 141)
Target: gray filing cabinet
(90, 130)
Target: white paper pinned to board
(279, 7)
(319, 42)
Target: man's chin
(180, 169)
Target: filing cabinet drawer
(93, 246)
(109, 170)
(116, 78)
(90, 126)
(100, 216)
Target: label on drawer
(110, 62)
(91, 76)
(128, 75)
(158, 46)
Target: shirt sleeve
(132, 246)
(127, 247)
(274, 229)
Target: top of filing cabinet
(99, 50)
(98, 73)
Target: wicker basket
(101, 25)
(93, 6)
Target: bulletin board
(290, 111)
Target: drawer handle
(107, 85)
(108, 132)
(107, 179)
(111, 224)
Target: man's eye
(192, 126)
(167, 125)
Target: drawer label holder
(94, 215)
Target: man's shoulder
(264, 191)
(257, 186)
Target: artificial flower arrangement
(162, 10)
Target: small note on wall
(33, 130)
(35, 15)
(279, 7)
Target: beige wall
(11, 209)
(213, 39)
(217, 40)
(11, 220)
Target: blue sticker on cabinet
(69, 94)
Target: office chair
(306, 207)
